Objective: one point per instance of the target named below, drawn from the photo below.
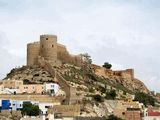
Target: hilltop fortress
(50, 55)
(47, 54)
(49, 50)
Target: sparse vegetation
(107, 65)
(111, 95)
(98, 98)
(87, 58)
(113, 117)
(30, 110)
(145, 98)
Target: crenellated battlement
(48, 49)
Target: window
(42, 46)
(46, 38)
(46, 106)
(123, 113)
(52, 46)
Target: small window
(47, 106)
(52, 46)
(123, 113)
(46, 38)
(42, 46)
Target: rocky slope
(30, 75)
(88, 83)
(82, 76)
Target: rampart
(65, 110)
(53, 52)
(71, 97)
(101, 71)
(40, 98)
(47, 53)
(33, 51)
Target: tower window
(46, 38)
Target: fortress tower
(33, 50)
(48, 48)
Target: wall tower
(33, 53)
(48, 48)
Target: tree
(111, 95)
(30, 110)
(112, 117)
(145, 98)
(86, 58)
(98, 98)
(107, 65)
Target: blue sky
(123, 32)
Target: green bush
(30, 110)
(107, 65)
(91, 90)
(98, 98)
(112, 117)
(145, 98)
(111, 95)
(102, 89)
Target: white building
(151, 114)
(44, 107)
(16, 104)
(51, 88)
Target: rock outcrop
(30, 75)
(124, 77)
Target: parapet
(34, 43)
(128, 73)
(48, 36)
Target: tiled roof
(153, 113)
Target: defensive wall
(65, 110)
(40, 98)
(47, 53)
(71, 97)
(101, 71)
(48, 48)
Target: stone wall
(50, 50)
(40, 98)
(65, 110)
(33, 50)
(71, 97)
(125, 74)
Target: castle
(49, 50)
(48, 53)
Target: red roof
(153, 113)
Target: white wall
(51, 86)
(42, 107)
(151, 118)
